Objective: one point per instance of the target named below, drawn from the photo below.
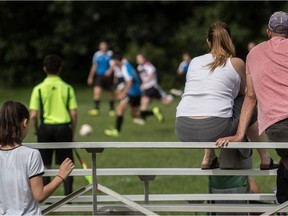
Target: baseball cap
(277, 19)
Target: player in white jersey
(150, 88)
(119, 80)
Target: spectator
(21, 168)
(267, 87)
(214, 92)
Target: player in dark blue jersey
(129, 96)
(101, 77)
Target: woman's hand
(223, 142)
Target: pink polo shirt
(267, 63)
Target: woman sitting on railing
(214, 92)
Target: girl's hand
(66, 168)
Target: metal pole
(146, 191)
(94, 178)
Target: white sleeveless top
(209, 93)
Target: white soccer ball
(85, 130)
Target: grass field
(152, 131)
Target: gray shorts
(213, 128)
(278, 132)
(210, 129)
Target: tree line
(162, 30)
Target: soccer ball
(85, 130)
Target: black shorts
(55, 133)
(154, 92)
(134, 101)
(105, 82)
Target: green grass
(152, 131)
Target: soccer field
(151, 131)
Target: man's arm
(73, 114)
(91, 74)
(34, 120)
(247, 110)
(110, 70)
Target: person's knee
(119, 110)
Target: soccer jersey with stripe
(53, 98)
(129, 74)
(101, 60)
(148, 76)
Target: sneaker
(94, 112)
(112, 113)
(139, 121)
(157, 113)
(112, 132)
(176, 92)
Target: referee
(54, 102)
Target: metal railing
(148, 174)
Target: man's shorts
(105, 82)
(155, 92)
(55, 133)
(278, 132)
(134, 101)
(120, 85)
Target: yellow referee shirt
(53, 98)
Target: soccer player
(129, 96)
(150, 88)
(101, 77)
(183, 67)
(55, 102)
(182, 71)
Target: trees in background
(162, 30)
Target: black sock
(146, 113)
(119, 121)
(97, 104)
(111, 103)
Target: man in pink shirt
(267, 87)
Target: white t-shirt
(209, 93)
(17, 167)
(148, 76)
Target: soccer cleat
(157, 113)
(94, 112)
(176, 92)
(112, 132)
(139, 121)
(112, 113)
